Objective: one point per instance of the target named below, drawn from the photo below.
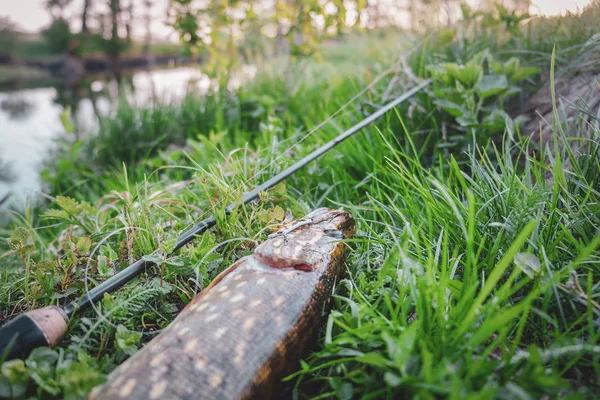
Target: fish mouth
(329, 219)
(300, 244)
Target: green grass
(35, 49)
(9, 74)
(473, 272)
(38, 49)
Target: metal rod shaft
(124, 276)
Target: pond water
(30, 122)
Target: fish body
(247, 330)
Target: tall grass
(471, 274)
(467, 284)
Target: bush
(59, 35)
(8, 38)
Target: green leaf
(55, 214)
(374, 359)
(127, 341)
(491, 85)
(479, 58)
(501, 320)
(511, 91)
(23, 251)
(496, 120)
(18, 237)
(497, 67)
(103, 268)
(67, 203)
(455, 288)
(451, 71)
(390, 265)
(511, 66)
(108, 301)
(180, 265)
(279, 188)
(12, 390)
(496, 274)
(445, 37)
(528, 264)
(15, 371)
(523, 73)
(66, 120)
(469, 75)
(344, 390)
(77, 379)
(467, 11)
(440, 74)
(467, 120)
(400, 348)
(157, 257)
(451, 108)
(84, 244)
(41, 366)
(276, 214)
(168, 246)
(392, 379)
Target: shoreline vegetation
(474, 270)
(25, 70)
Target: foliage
(56, 8)
(53, 372)
(58, 35)
(475, 95)
(225, 28)
(454, 294)
(114, 45)
(471, 274)
(8, 38)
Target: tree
(57, 8)
(220, 26)
(129, 20)
(114, 45)
(148, 22)
(8, 38)
(520, 6)
(84, 16)
(58, 35)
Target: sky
(31, 16)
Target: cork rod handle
(42, 327)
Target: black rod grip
(37, 328)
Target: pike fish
(248, 329)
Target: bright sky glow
(555, 7)
(31, 16)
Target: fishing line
(29, 335)
(305, 136)
(326, 121)
(103, 317)
(307, 133)
(136, 268)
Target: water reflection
(16, 107)
(30, 119)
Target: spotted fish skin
(247, 330)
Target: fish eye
(334, 233)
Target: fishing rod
(47, 325)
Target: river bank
(470, 275)
(31, 126)
(38, 72)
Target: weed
(471, 274)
